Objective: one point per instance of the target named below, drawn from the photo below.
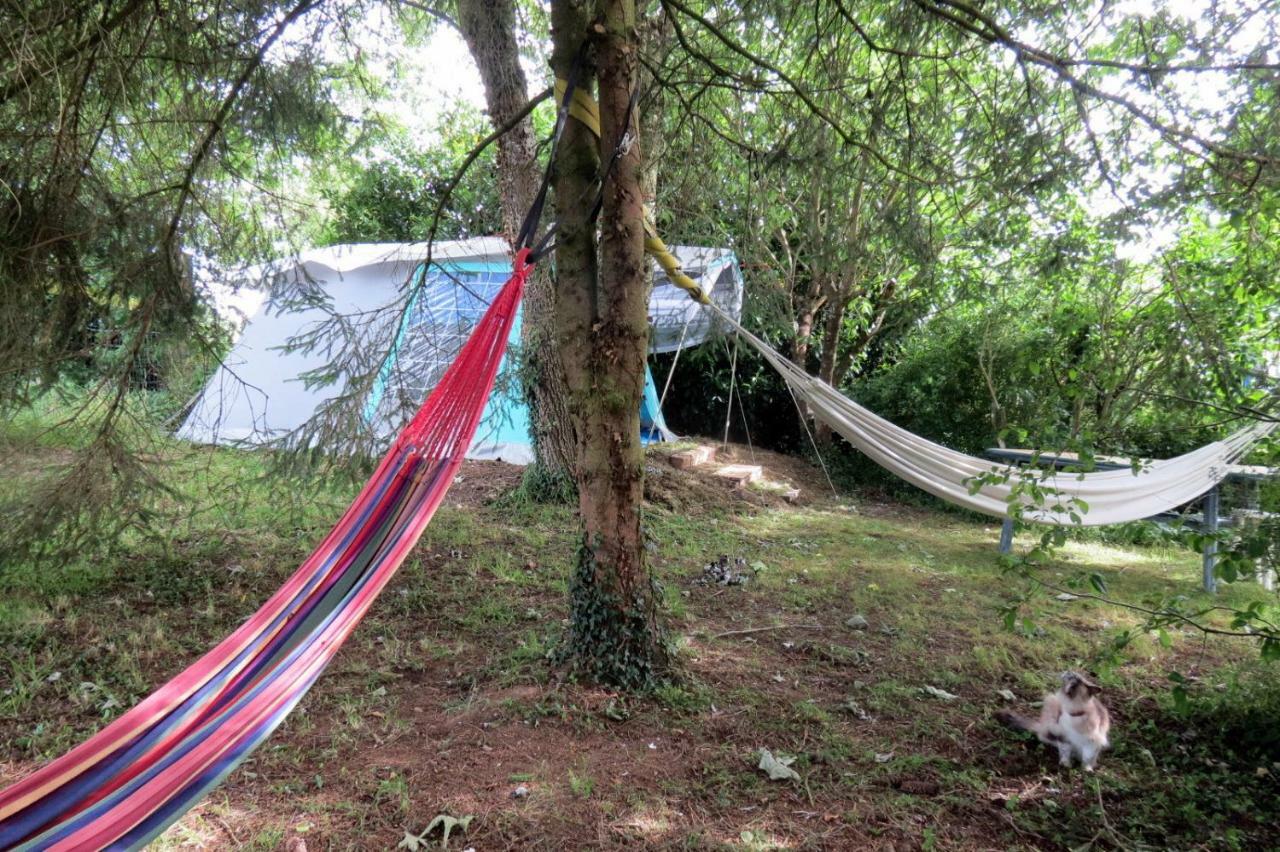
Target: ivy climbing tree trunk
(489, 28)
(602, 330)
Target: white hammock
(1111, 496)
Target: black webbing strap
(618, 151)
(525, 239)
(544, 245)
(528, 230)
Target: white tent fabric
(1111, 497)
(258, 394)
(674, 317)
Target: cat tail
(1017, 722)
(1022, 723)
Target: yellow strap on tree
(654, 245)
(584, 108)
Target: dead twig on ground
(770, 627)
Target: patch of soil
(700, 488)
(479, 483)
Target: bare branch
(219, 120)
(434, 12)
(24, 80)
(798, 90)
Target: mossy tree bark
(602, 329)
(489, 28)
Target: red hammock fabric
(122, 787)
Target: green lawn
(444, 701)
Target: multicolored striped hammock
(124, 786)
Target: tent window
(450, 304)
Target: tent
(266, 387)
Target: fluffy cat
(1072, 719)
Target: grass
(444, 700)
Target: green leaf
(447, 824)
(1098, 582)
(412, 842)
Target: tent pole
(733, 377)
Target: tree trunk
(655, 33)
(804, 334)
(602, 332)
(828, 358)
(867, 334)
(835, 361)
(489, 29)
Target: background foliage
(1038, 224)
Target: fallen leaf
(941, 694)
(778, 768)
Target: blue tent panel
(505, 431)
(653, 427)
(441, 314)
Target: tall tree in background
(133, 137)
(489, 27)
(853, 148)
(602, 331)
(395, 195)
